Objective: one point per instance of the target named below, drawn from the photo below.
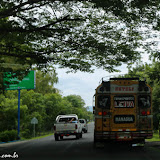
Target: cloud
(83, 84)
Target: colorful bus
(123, 110)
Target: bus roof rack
(136, 78)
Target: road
(72, 149)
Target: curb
(10, 141)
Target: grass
(42, 136)
(23, 139)
(155, 137)
(37, 137)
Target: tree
(74, 34)
(150, 72)
(156, 105)
(44, 104)
(8, 111)
(77, 104)
(45, 82)
(76, 101)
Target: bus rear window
(144, 101)
(103, 102)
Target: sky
(84, 84)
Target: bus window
(103, 102)
(144, 101)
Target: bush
(8, 135)
(26, 133)
(4, 137)
(12, 135)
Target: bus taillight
(104, 113)
(148, 112)
(99, 113)
(144, 113)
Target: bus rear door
(123, 115)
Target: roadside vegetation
(46, 134)
(44, 103)
(156, 137)
(150, 73)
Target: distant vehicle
(67, 125)
(84, 125)
(123, 111)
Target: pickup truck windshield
(67, 119)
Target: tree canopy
(150, 73)
(74, 34)
(45, 82)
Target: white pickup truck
(67, 125)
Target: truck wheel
(95, 140)
(56, 137)
(80, 135)
(77, 136)
(61, 137)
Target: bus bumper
(123, 136)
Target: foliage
(156, 136)
(45, 106)
(6, 136)
(26, 133)
(8, 112)
(75, 34)
(45, 82)
(76, 101)
(156, 105)
(150, 73)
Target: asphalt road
(72, 149)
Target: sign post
(19, 93)
(34, 121)
(13, 83)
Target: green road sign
(28, 82)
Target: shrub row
(6, 136)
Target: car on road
(67, 125)
(84, 125)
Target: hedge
(6, 136)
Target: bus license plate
(125, 136)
